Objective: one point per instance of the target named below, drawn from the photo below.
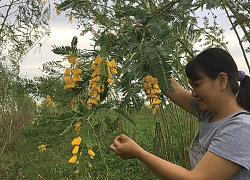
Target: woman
(221, 147)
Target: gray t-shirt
(228, 138)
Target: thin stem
(238, 37)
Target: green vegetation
(23, 160)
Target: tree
(22, 24)
(154, 38)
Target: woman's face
(206, 91)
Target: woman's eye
(196, 85)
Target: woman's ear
(223, 80)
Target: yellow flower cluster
(151, 88)
(76, 142)
(72, 76)
(112, 69)
(48, 101)
(96, 85)
(42, 147)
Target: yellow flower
(92, 101)
(90, 93)
(68, 86)
(98, 97)
(68, 79)
(113, 71)
(156, 86)
(111, 64)
(67, 72)
(97, 87)
(75, 150)
(77, 78)
(77, 126)
(73, 159)
(48, 101)
(93, 93)
(94, 80)
(76, 141)
(151, 87)
(156, 101)
(98, 59)
(70, 17)
(146, 85)
(110, 80)
(77, 71)
(155, 91)
(150, 96)
(150, 79)
(42, 147)
(71, 59)
(96, 72)
(93, 66)
(58, 12)
(91, 152)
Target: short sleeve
(232, 141)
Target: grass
(23, 160)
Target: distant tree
(22, 24)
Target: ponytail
(243, 96)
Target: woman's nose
(194, 94)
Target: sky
(62, 32)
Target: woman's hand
(125, 147)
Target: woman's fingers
(118, 140)
(113, 148)
(122, 146)
(121, 138)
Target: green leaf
(124, 115)
(103, 51)
(65, 5)
(62, 50)
(160, 66)
(74, 42)
(113, 114)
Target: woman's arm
(210, 167)
(179, 96)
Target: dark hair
(213, 61)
